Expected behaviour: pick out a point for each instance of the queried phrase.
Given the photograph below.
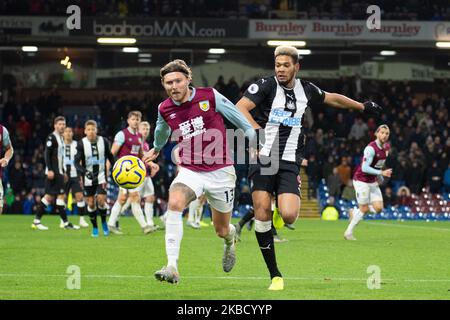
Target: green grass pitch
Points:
(413, 257)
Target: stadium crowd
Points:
(419, 123)
(305, 9)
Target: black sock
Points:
(246, 218)
(93, 218)
(266, 244)
(274, 230)
(102, 215)
(81, 210)
(61, 210)
(40, 210)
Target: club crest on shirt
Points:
(204, 105)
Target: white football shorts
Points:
(218, 185)
(367, 192)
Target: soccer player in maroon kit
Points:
(7, 149)
(128, 142)
(195, 117)
(365, 178)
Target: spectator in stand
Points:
(313, 172)
(17, 178)
(414, 178)
(434, 176)
(359, 130)
(345, 172)
(404, 196)
(389, 197)
(349, 193)
(447, 180)
(220, 85)
(334, 184)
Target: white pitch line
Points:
(406, 226)
(217, 277)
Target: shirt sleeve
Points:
(119, 139)
(313, 93)
(79, 159)
(258, 91)
(369, 154)
(49, 146)
(162, 133)
(226, 108)
(6, 140)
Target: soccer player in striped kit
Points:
(6, 148)
(278, 104)
(73, 184)
(128, 142)
(93, 160)
(195, 115)
(56, 177)
(368, 175)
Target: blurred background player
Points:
(73, 184)
(128, 142)
(93, 161)
(56, 177)
(195, 213)
(6, 152)
(365, 179)
(192, 112)
(146, 190)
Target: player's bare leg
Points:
(225, 230)
(180, 196)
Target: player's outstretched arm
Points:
(8, 155)
(337, 100)
(227, 109)
(162, 134)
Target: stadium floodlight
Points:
(304, 52)
(211, 61)
(130, 49)
(216, 51)
(116, 40)
(443, 44)
(276, 43)
(388, 53)
(144, 60)
(29, 49)
(145, 55)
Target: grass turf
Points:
(413, 257)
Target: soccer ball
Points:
(129, 172)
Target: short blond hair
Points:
(144, 124)
(286, 51)
(90, 123)
(134, 113)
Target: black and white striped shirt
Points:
(279, 110)
(54, 154)
(70, 151)
(93, 156)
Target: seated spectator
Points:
(404, 196)
(349, 193)
(434, 176)
(334, 183)
(345, 172)
(389, 197)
